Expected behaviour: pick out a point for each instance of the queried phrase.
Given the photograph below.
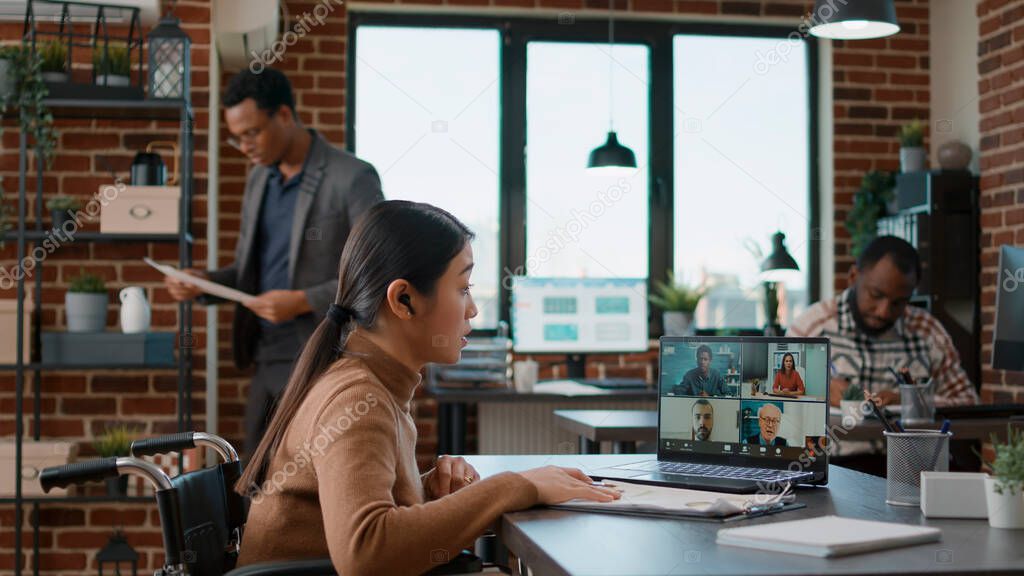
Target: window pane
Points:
(741, 170)
(427, 118)
(578, 223)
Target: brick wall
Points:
(1001, 102)
(878, 86)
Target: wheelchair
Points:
(202, 518)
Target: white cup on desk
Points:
(524, 373)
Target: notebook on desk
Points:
(827, 536)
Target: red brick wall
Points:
(1001, 93)
(878, 86)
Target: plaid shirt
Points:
(917, 341)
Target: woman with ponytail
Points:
(335, 474)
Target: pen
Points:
(899, 426)
(945, 427)
(880, 416)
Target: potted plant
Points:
(850, 403)
(677, 302)
(1004, 489)
(61, 208)
(115, 441)
(912, 154)
(86, 303)
(112, 65)
(54, 61)
(869, 204)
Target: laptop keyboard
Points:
(713, 471)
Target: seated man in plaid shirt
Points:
(873, 328)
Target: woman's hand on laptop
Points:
(556, 484)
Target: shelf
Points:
(57, 367)
(77, 499)
(31, 235)
(81, 108)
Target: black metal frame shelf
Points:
(101, 237)
(179, 111)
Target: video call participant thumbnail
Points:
(769, 417)
(703, 380)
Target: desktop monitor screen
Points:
(579, 315)
(1008, 340)
(729, 399)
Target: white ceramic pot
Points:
(913, 159)
(113, 80)
(1005, 510)
(677, 323)
(135, 311)
(852, 409)
(55, 77)
(86, 312)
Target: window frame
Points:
(516, 33)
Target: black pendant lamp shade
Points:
(854, 19)
(780, 258)
(611, 154)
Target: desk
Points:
(510, 421)
(623, 428)
(561, 542)
(643, 426)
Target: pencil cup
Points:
(917, 403)
(907, 455)
(524, 374)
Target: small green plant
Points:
(63, 203)
(115, 441)
(9, 52)
(53, 57)
(87, 283)
(912, 135)
(853, 392)
(115, 61)
(1008, 465)
(675, 297)
(869, 204)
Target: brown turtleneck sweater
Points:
(344, 482)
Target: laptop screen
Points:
(764, 398)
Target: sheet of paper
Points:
(204, 284)
(661, 499)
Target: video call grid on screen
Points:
(579, 315)
(733, 397)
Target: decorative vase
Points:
(851, 408)
(86, 312)
(954, 155)
(117, 487)
(6, 84)
(113, 80)
(677, 323)
(135, 312)
(1005, 510)
(913, 159)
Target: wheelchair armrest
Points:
(316, 567)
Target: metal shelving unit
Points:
(161, 110)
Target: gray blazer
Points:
(337, 188)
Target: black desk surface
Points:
(562, 542)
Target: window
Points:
(741, 170)
(427, 117)
(575, 219)
(494, 119)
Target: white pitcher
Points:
(135, 312)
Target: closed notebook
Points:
(827, 536)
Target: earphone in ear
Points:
(404, 299)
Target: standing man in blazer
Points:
(301, 200)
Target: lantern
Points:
(169, 69)
(116, 552)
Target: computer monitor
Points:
(1008, 340)
(576, 316)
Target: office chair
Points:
(202, 518)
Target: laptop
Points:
(721, 426)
